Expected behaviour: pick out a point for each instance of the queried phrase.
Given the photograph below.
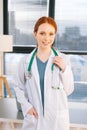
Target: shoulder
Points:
(26, 57)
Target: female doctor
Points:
(44, 81)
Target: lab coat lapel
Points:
(48, 73)
(36, 76)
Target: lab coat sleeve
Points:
(20, 89)
(67, 77)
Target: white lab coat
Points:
(55, 115)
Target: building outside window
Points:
(71, 17)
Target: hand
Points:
(59, 61)
(33, 112)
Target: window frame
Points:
(28, 49)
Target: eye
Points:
(51, 34)
(42, 33)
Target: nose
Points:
(46, 37)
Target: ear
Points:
(35, 34)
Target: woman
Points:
(44, 81)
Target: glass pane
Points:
(22, 17)
(11, 64)
(11, 61)
(79, 67)
(71, 17)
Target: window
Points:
(79, 67)
(71, 17)
(11, 64)
(22, 17)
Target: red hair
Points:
(45, 19)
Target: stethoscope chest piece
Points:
(29, 75)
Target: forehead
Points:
(46, 27)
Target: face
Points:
(45, 35)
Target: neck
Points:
(43, 54)
(45, 51)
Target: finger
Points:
(35, 114)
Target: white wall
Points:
(1, 16)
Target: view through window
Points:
(71, 17)
(22, 17)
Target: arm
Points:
(67, 80)
(20, 88)
(66, 74)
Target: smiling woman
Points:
(45, 74)
(71, 38)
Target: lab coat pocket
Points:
(30, 122)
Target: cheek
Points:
(53, 39)
(37, 38)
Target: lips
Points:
(45, 43)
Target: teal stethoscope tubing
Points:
(32, 58)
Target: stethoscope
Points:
(52, 67)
